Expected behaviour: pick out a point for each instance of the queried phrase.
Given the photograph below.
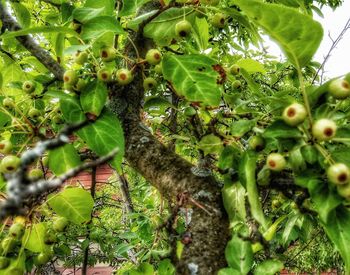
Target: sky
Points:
(333, 23)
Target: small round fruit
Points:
(276, 162)
(339, 88)
(190, 111)
(9, 164)
(124, 76)
(219, 20)
(235, 69)
(256, 143)
(183, 28)
(8, 103)
(5, 146)
(149, 83)
(28, 86)
(324, 129)
(158, 68)
(8, 245)
(70, 77)
(104, 75)
(210, 2)
(81, 57)
(42, 258)
(20, 219)
(17, 230)
(154, 56)
(80, 85)
(338, 174)
(60, 224)
(34, 113)
(35, 174)
(344, 190)
(237, 84)
(4, 262)
(294, 114)
(108, 54)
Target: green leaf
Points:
(279, 129)
(233, 196)
(93, 97)
(298, 34)
(22, 14)
(239, 255)
(193, 77)
(210, 144)
(41, 29)
(201, 29)
(63, 159)
(70, 107)
(269, 267)
(251, 66)
(75, 204)
(131, 6)
(33, 238)
(99, 26)
(247, 177)
(156, 105)
(106, 130)
(165, 267)
(228, 271)
(108, 5)
(239, 128)
(83, 15)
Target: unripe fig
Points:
(235, 69)
(237, 84)
(80, 85)
(149, 83)
(344, 191)
(104, 75)
(70, 77)
(183, 28)
(154, 56)
(17, 230)
(60, 224)
(35, 174)
(190, 111)
(294, 114)
(9, 164)
(339, 88)
(42, 258)
(276, 162)
(158, 68)
(108, 54)
(219, 20)
(8, 103)
(34, 113)
(124, 76)
(4, 262)
(256, 143)
(28, 86)
(5, 146)
(324, 129)
(338, 174)
(81, 57)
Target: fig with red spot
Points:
(124, 76)
(324, 129)
(108, 54)
(183, 28)
(70, 77)
(338, 174)
(339, 88)
(154, 57)
(28, 86)
(5, 146)
(9, 164)
(276, 162)
(104, 75)
(294, 114)
(219, 20)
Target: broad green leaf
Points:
(93, 97)
(239, 255)
(229, 157)
(298, 34)
(131, 6)
(211, 144)
(75, 204)
(269, 267)
(201, 29)
(193, 77)
(22, 14)
(251, 66)
(233, 196)
(70, 107)
(287, 235)
(95, 28)
(229, 271)
(33, 238)
(107, 5)
(83, 15)
(279, 129)
(106, 130)
(165, 267)
(342, 154)
(247, 177)
(12, 73)
(41, 29)
(63, 159)
(240, 127)
(156, 105)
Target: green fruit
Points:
(42, 258)
(4, 262)
(45, 160)
(108, 54)
(104, 75)
(70, 77)
(81, 57)
(219, 20)
(275, 203)
(324, 129)
(210, 2)
(294, 114)
(14, 271)
(237, 84)
(344, 190)
(339, 88)
(190, 111)
(256, 143)
(34, 113)
(5, 146)
(50, 237)
(9, 164)
(149, 83)
(35, 174)
(28, 86)
(8, 245)
(154, 57)
(124, 76)
(17, 230)
(183, 28)
(276, 162)
(235, 69)
(68, 87)
(60, 224)
(8, 103)
(80, 85)
(158, 68)
(338, 174)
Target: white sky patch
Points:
(333, 23)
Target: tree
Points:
(221, 131)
